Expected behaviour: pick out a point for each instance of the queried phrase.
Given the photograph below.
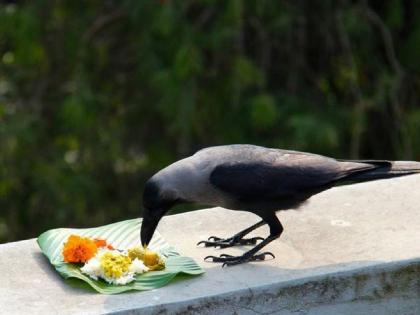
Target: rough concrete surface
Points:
(350, 250)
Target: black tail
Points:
(381, 170)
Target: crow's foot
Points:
(229, 260)
(214, 241)
(237, 239)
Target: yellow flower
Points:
(115, 265)
(151, 259)
(136, 252)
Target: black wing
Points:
(299, 174)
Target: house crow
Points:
(255, 179)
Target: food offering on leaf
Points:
(151, 259)
(99, 260)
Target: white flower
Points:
(127, 278)
(95, 269)
(92, 268)
(137, 266)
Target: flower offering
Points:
(99, 260)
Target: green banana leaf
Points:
(120, 235)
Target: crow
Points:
(255, 179)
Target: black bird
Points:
(255, 179)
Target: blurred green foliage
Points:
(95, 96)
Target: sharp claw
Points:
(271, 254)
(212, 243)
(228, 242)
(229, 260)
(212, 258)
(262, 256)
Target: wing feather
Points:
(289, 174)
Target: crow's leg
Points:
(275, 231)
(237, 239)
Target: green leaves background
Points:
(96, 96)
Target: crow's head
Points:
(157, 200)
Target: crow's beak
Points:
(149, 224)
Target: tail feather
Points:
(383, 169)
(405, 167)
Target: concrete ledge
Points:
(350, 250)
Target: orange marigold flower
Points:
(99, 242)
(79, 249)
(102, 243)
